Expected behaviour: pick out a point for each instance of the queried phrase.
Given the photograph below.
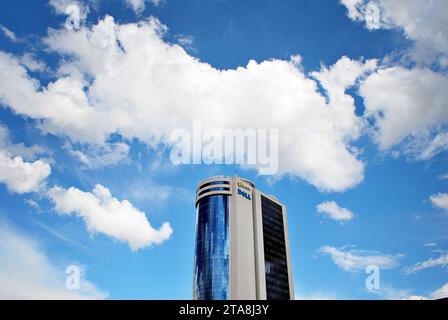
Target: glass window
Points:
(276, 268)
(211, 274)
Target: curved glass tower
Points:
(211, 274)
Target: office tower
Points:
(242, 246)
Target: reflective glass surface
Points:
(276, 268)
(211, 273)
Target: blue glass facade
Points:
(211, 273)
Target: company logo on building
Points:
(242, 185)
(244, 194)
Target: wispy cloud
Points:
(430, 263)
(26, 272)
(94, 157)
(430, 244)
(443, 176)
(9, 34)
(352, 260)
(186, 41)
(389, 292)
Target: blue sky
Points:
(357, 90)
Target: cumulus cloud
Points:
(334, 211)
(352, 260)
(440, 200)
(16, 173)
(424, 22)
(107, 215)
(430, 263)
(125, 79)
(408, 106)
(21, 176)
(26, 272)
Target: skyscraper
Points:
(242, 246)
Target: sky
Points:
(91, 92)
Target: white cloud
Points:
(31, 63)
(438, 144)
(138, 6)
(440, 200)
(18, 149)
(430, 244)
(186, 41)
(94, 157)
(334, 211)
(27, 273)
(424, 22)
(440, 293)
(443, 176)
(105, 214)
(342, 75)
(21, 176)
(352, 260)
(9, 34)
(145, 87)
(388, 292)
(409, 107)
(430, 263)
(147, 193)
